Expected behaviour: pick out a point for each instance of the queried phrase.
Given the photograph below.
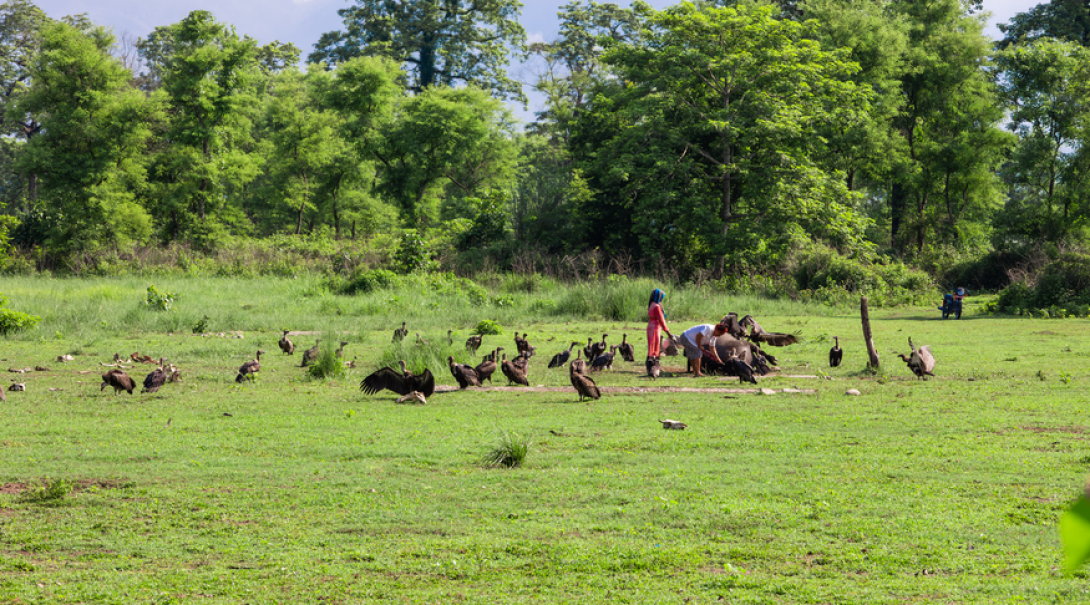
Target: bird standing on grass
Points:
(464, 374)
(249, 369)
(400, 333)
(311, 354)
(485, 369)
(584, 385)
(836, 353)
(562, 357)
(286, 345)
(119, 380)
(156, 379)
(513, 373)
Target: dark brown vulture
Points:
(400, 333)
(836, 354)
(758, 334)
(578, 364)
(584, 385)
(627, 351)
(513, 372)
(286, 345)
(604, 361)
(485, 369)
(119, 380)
(249, 369)
(156, 379)
(401, 383)
(465, 375)
(311, 354)
(562, 357)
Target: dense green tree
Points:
(459, 138)
(947, 98)
(709, 142)
(1045, 84)
(572, 64)
(90, 152)
(443, 42)
(207, 78)
(1061, 19)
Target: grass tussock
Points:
(509, 451)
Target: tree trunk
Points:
(898, 201)
(303, 204)
(864, 313)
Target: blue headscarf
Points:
(656, 297)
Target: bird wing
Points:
(425, 383)
(383, 379)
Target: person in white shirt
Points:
(699, 340)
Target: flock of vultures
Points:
(739, 350)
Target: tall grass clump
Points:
(509, 451)
(14, 321)
(328, 366)
(432, 356)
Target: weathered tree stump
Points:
(874, 362)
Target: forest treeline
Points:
(706, 139)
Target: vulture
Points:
(524, 345)
(522, 362)
(286, 345)
(597, 348)
(669, 347)
(450, 337)
(249, 368)
(156, 379)
(465, 375)
(494, 355)
(402, 383)
(587, 349)
(513, 372)
(604, 361)
(734, 327)
(760, 365)
(584, 385)
(420, 342)
(311, 354)
(119, 380)
(656, 369)
(758, 334)
(921, 361)
(340, 351)
(836, 353)
(741, 369)
(628, 352)
(400, 333)
(486, 368)
(578, 364)
(473, 343)
(562, 357)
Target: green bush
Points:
(14, 321)
(1059, 289)
(160, 301)
(488, 327)
(413, 254)
(368, 281)
(328, 366)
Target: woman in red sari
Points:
(656, 324)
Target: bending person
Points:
(699, 340)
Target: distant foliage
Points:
(413, 254)
(160, 301)
(14, 321)
(823, 275)
(487, 326)
(1060, 289)
(367, 281)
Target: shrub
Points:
(14, 321)
(328, 366)
(1060, 285)
(509, 452)
(413, 254)
(487, 326)
(49, 490)
(368, 281)
(160, 301)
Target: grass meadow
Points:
(293, 490)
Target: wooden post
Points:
(865, 314)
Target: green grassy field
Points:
(291, 490)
